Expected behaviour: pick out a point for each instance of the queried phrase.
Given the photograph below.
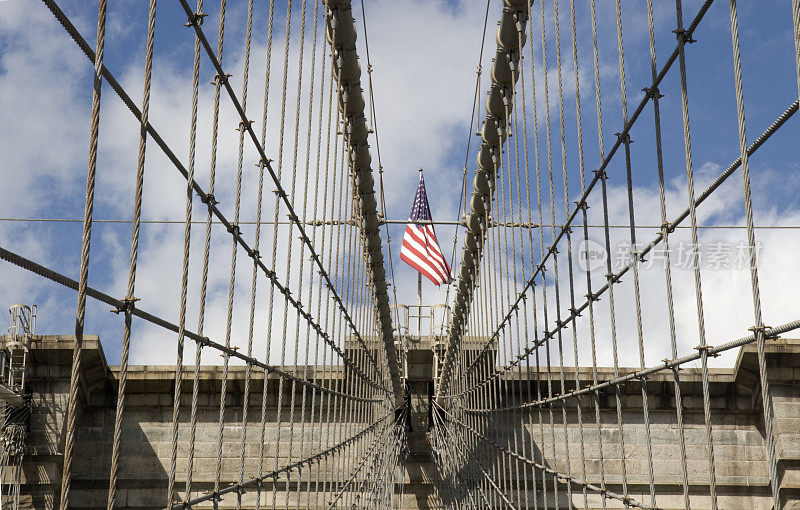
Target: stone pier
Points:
(742, 470)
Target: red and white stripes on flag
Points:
(420, 248)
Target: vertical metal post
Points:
(419, 294)
(419, 304)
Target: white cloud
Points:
(424, 56)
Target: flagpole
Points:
(419, 302)
(419, 292)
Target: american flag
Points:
(420, 248)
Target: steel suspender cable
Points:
(94, 130)
(510, 421)
(485, 384)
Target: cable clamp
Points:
(601, 174)
(220, 79)
(624, 138)
(233, 228)
(581, 204)
(127, 305)
(764, 330)
(209, 200)
(706, 348)
(574, 312)
(652, 92)
(244, 124)
(668, 227)
(196, 19)
(254, 254)
(613, 278)
(684, 36)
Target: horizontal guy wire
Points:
(316, 223)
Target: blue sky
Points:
(424, 56)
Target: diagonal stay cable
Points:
(599, 173)
(368, 455)
(308, 461)
(561, 477)
(770, 333)
(574, 313)
(121, 305)
(779, 121)
(208, 198)
(500, 492)
(194, 21)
